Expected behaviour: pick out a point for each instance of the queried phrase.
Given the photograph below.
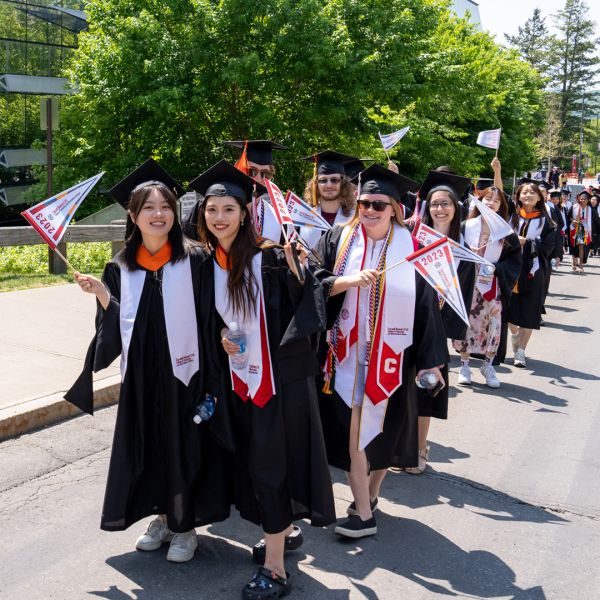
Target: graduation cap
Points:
(223, 179)
(149, 172)
(258, 151)
(483, 183)
(554, 193)
(584, 192)
(330, 162)
(543, 184)
(355, 166)
(444, 181)
(379, 180)
(565, 191)
(525, 180)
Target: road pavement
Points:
(508, 507)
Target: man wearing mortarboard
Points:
(329, 191)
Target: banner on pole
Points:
(489, 138)
(304, 215)
(391, 139)
(499, 228)
(51, 217)
(278, 203)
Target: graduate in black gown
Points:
(280, 472)
(162, 463)
(537, 236)
(443, 212)
(383, 331)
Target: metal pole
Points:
(581, 134)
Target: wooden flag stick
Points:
(392, 266)
(65, 260)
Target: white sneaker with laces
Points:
(183, 546)
(464, 376)
(489, 373)
(156, 534)
(519, 360)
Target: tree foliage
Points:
(172, 79)
(533, 42)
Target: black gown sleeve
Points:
(508, 267)
(105, 346)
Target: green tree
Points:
(532, 42)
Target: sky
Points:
(504, 16)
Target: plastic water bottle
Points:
(205, 410)
(487, 270)
(239, 360)
(553, 263)
(427, 381)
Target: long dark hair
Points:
(540, 205)
(242, 286)
(133, 235)
(454, 230)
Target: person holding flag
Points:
(280, 467)
(384, 329)
(536, 232)
(495, 241)
(441, 192)
(328, 191)
(149, 312)
(580, 232)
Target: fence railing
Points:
(27, 236)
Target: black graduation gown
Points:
(455, 329)
(161, 462)
(557, 251)
(281, 472)
(189, 224)
(397, 444)
(526, 303)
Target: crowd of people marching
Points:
(251, 363)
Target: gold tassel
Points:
(314, 184)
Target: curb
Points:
(32, 415)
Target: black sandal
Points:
(292, 542)
(266, 584)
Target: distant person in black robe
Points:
(368, 401)
(536, 231)
(280, 471)
(149, 309)
(442, 192)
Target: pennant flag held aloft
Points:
(499, 228)
(51, 217)
(391, 139)
(304, 215)
(426, 235)
(435, 263)
(489, 138)
(278, 203)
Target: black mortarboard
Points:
(379, 180)
(584, 192)
(483, 183)
(525, 180)
(223, 179)
(148, 172)
(543, 184)
(439, 179)
(554, 193)
(355, 166)
(330, 162)
(595, 191)
(565, 191)
(259, 151)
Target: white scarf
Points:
(536, 226)
(586, 221)
(256, 380)
(492, 251)
(392, 327)
(180, 316)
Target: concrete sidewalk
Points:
(44, 335)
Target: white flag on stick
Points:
(51, 217)
(304, 215)
(499, 228)
(391, 139)
(489, 138)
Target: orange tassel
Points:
(242, 162)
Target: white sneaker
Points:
(514, 339)
(489, 373)
(464, 376)
(519, 360)
(157, 533)
(183, 546)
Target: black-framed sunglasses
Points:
(325, 180)
(376, 205)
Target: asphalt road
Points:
(509, 507)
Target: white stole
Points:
(492, 251)
(180, 316)
(534, 230)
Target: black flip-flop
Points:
(292, 542)
(266, 584)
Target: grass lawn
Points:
(10, 282)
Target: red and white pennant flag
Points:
(51, 217)
(303, 214)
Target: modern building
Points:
(462, 7)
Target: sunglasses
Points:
(324, 180)
(376, 205)
(266, 174)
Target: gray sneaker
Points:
(519, 360)
(156, 535)
(490, 376)
(464, 376)
(183, 546)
